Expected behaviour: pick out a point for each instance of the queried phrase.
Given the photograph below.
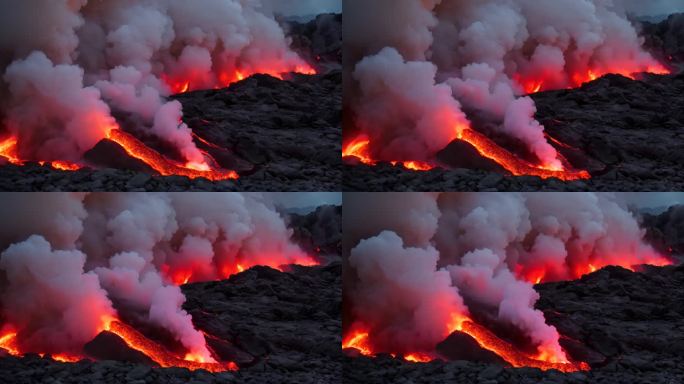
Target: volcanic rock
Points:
(627, 325)
(319, 231)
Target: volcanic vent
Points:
(451, 99)
(455, 277)
(93, 100)
(100, 279)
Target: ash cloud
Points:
(72, 260)
(459, 254)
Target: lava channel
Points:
(360, 149)
(137, 149)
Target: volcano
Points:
(439, 280)
(269, 337)
(267, 121)
(475, 97)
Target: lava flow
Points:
(534, 84)
(185, 83)
(137, 149)
(134, 340)
(360, 149)
(159, 354)
(359, 340)
(8, 151)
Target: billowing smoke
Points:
(73, 261)
(68, 65)
(416, 75)
(420, 262)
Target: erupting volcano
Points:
(104, 72)
(468, 264)
(463, 71)
(84, 266)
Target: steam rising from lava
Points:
(68, 66)
(80, 262)
(426, 265)
(421, 77)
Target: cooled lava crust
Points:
(279, 327)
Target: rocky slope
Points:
(629, 134)
(627, 325)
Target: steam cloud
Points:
(417, 74)
(67, 65)
(72, 260)
(415, 259)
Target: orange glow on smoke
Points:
(137, 149)
(136, 340)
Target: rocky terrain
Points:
(629, 134)
(279, 327)
(319, 232)
(279, 135)
(626, 325)
(666, 38)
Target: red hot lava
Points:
(134, 340)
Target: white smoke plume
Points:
(416, 75)
(73, 258)
(67, 64)
(416, 253)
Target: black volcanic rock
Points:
(108, 346)
(628, 325)
(319, 232)
(282, 328)
(108, 154)
(319, 40)
(461, 346)
(629, 134)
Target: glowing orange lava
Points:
(8, 149)
(137, 149)
(224, 79)
(577, 79)
(359, 341)
(160, 355)
(539, 274)
(512, 355)
(360, 149)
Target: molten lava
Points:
(180, 275)
(134, 340)
(360, 148)
(188, 82)
(538, 273)
(536, 83)
(137, 149)
(359, 339)
(159, 354)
